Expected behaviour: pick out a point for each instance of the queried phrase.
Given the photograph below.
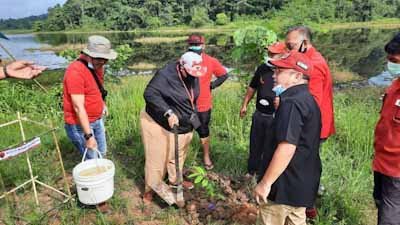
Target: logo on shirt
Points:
(264, 102)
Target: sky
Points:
(24, 8)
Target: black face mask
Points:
(301, 50)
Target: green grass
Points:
(346, 157)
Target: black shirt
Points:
(298, 122)
(263, 83)
(167, 91)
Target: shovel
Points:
(164, 190)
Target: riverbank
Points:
(276, 24)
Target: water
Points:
(358, 51)
(20, 46)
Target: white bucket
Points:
(94, 180)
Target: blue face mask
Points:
(196, 48)
(278, 89)
(393, 68)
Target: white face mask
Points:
(266, 61)
(90, 65)
(394, 69)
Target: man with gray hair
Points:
(320, 85)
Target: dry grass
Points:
(157, 40)
(378, 24)
(59, 48)
(143, 66)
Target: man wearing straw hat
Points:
(84, 97)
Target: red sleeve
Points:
(316, 85)
(75, 84)
(219, 69)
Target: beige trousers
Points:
(278, 214)
(159, 147)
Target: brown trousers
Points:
(159, 147)
(278, 214)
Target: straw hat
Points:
(99, 47)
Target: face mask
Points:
(266, 60)
(278, 89)
(90, 65)
(196, 49)
(393, 68)
(301, 50)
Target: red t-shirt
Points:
(387, 134)
(320, 86)
(214, 67)
(79, 80)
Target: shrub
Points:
(222, 19)
(200, 17)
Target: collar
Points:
(310, 51)
(294, 90)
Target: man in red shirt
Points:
(320, 85)
(84, 97)
(386, 163)
(204, 102)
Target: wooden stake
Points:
(60, 158)
(27, 159)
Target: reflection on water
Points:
(355, 50)
(20, 45)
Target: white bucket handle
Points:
(86, 149)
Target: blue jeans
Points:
(75, 134)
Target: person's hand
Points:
(91, 143)
(276, 102)
(24, 69)
(261, 191)
(173, 120)
(105, 111)
(243, 111)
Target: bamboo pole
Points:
(18, 187)
(60, 158)
(27, 158)
(9, 123)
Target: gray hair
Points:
(303, 30)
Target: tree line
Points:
(132, 14)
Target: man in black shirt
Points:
(261, 133)
(293, 171)
(170, 101)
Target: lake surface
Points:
(358, 51)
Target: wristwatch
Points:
(6, 75)
(88, 136)
(168, 113)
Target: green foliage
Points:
(222, 19)
(124, 53)
(200, 17)
(200, 178)
(250, 43)
(69, 54)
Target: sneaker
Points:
(311, 213)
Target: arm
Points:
(154, 98)
(249, 95)
(281, 159)
(316, 85)
(78, 102)
(220, 80)
(21, 69)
